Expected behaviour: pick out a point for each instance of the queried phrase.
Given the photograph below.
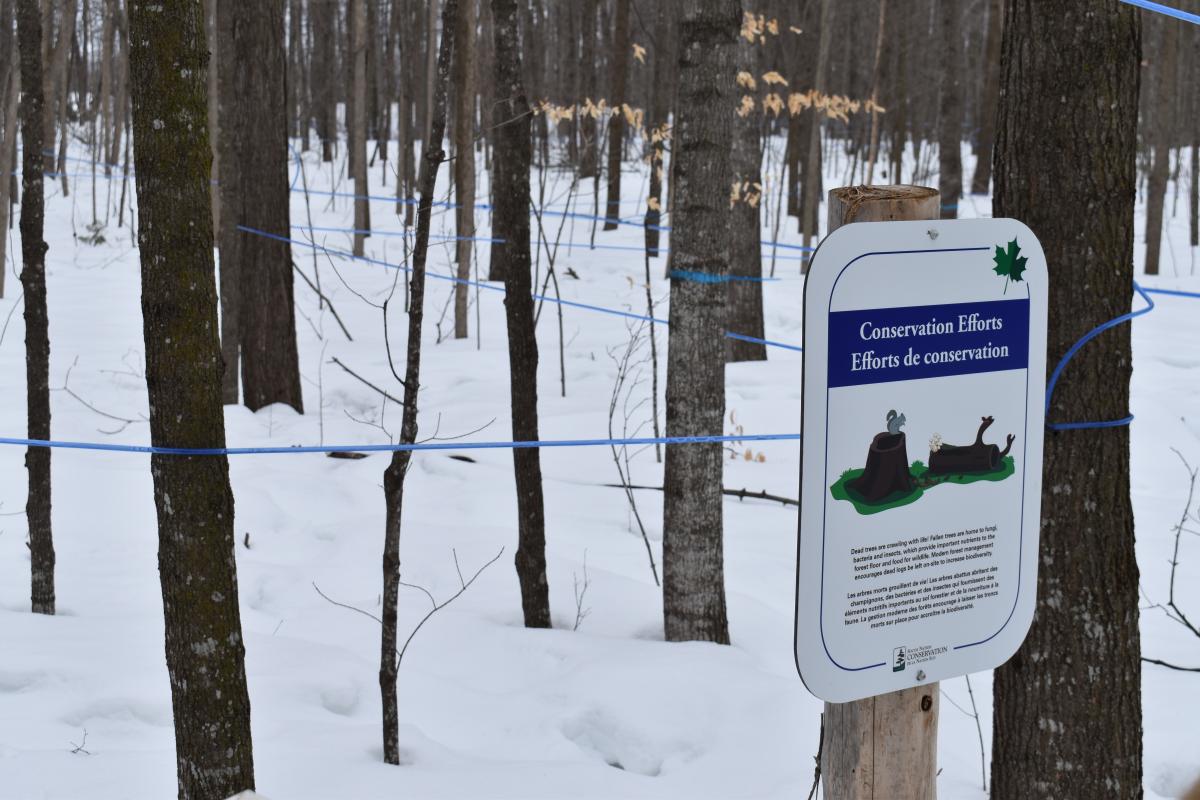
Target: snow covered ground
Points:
(488, 708)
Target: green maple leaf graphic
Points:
(1010, 263)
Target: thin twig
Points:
(353, 374)
(1168, 665)
(741, 494)
(325, 299)
(439, 606)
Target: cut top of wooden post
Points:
(882, 204)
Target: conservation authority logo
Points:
(898, 659)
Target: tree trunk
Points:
(464, 163)
(588, 131)
(358, 142)
(204, 647)
(213, 106)
(812, 167)
(744, 301)
(295, 46)
(950, 112)
(982, 178)
(254, 191)
(885, 746)
(33, 282)
(10, 90)
(431, 41)
(876, 78)
(1160, 130)
(510, 222)
(665, 63)
(324, 66)
(616, 123)
(229, 238)
(393, 476)
(1079, 666)
(693, 557)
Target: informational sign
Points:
(921, 464)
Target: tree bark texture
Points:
(393, 476)
(37, 324)
(511, 223)
(1068, 715)
(882, 747)
(255, 165)
(744, 300)
(619, 67)
(464, 162)
(693, 546)
(1160, 132)
(204, 648)
(950, 112)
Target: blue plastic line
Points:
(569, 244)
(389, 448)
(1167, 10)
(743, 338)
(1087, 337)
(1174, 292)
(482, 285)
(705, 277)
(402, 234)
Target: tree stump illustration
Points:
(887, 468)
(977, 457)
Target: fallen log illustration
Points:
(977, 457)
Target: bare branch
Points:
(353, 374)
(345, 605)
(439, 606)
(324, 299)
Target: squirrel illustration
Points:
(895, 421)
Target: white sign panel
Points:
(921, 464)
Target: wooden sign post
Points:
(917, 556)
(884, 746)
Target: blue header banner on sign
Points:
(913, 342)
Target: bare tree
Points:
(324, 103)
(693, 557)
(10, 90)
(393, 476)
(588, 130)
(1052, 159)
(37, 324)
(951, 108)
(809, 215)
(256, 271)
(358, 132)
(510, 222)
(982, 178)
(204, 647)
(1160, 132)
(464, 161)
(744, 309)
(619, 67)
